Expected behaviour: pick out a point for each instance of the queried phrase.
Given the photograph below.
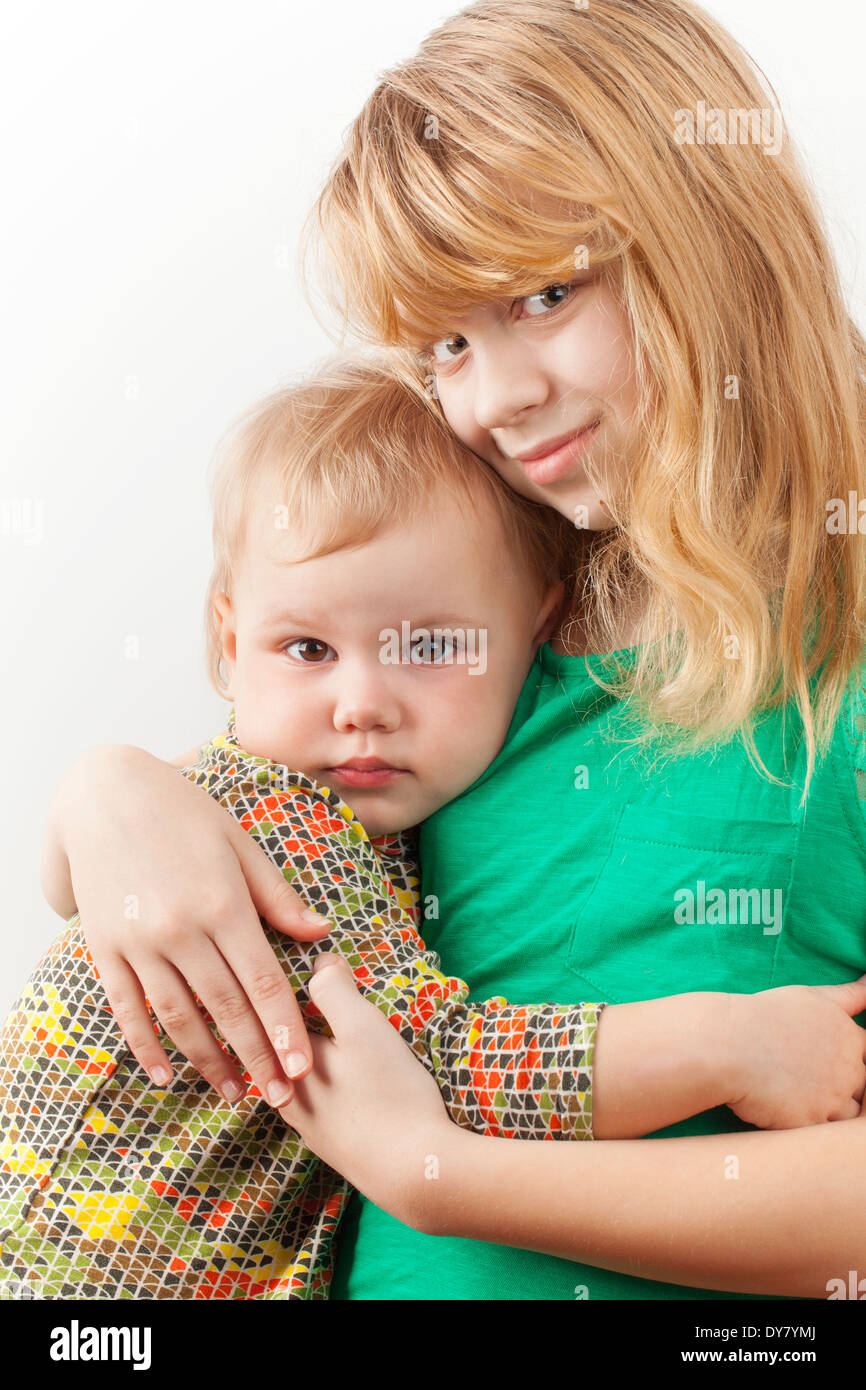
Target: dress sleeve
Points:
(514, 1071)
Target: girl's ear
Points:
(549, 615)
(228, 634)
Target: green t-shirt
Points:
(575, 869)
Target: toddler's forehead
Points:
(277, 544)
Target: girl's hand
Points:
(169, 888)
(800, 1055)
(369, 1108)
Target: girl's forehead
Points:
(424, 319)
(423, 323)
(436, 288)
(420, 330)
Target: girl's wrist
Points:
(74, 809)
(442, 1203)
(89, 784)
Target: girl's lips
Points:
(552, 467)
(366, 777)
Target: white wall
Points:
(158, 161)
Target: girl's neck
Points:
(573, 639)
(581, 648)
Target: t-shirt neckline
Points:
(557, 663)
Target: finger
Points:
(326, 960)
(850, 1110)
(274, 897)
(126, 999)
(850, 996)
(179, 1013)
(221, 993)
(334, 992)
(313, 1089)
(264, 1006)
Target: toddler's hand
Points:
(800, 1055)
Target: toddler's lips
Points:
(374, 774)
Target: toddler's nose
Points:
(365, 702)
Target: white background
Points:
(158, 160)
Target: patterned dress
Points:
(111, 1187)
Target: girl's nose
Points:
(508, 380)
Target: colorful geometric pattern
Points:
(113, 1188)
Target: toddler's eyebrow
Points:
(280, 617)
(310, 623)
(443, 620)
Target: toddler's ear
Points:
(225, 621)
(549, 615)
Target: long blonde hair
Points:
(342, 454)
(523, 130)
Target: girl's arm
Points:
(745, 1212)
(56, 878)
(755, 1212)
(169, 889)
(129, 821)
(136, 831)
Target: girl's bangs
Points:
(432, 237)
(430, 279)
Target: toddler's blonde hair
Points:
(345, 453)
(525, 130)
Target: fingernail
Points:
(231, 1091)
(160, 1076)
(279, 1093)
(296, 1062)
(308, 915)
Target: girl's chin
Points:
(585, 510)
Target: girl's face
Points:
(537, 385)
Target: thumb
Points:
(850, 996)
(334, 992)
(274, 898)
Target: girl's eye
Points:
(541, 300)
(311, 651)
(447, 348)
(551, 297)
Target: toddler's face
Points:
(336, 668)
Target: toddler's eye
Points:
(310, 650)
(540, 300)
(435, 648)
